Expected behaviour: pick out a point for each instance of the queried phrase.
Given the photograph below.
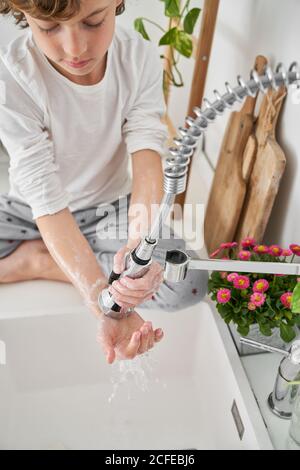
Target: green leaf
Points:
(140, 28)
(265, 329)
(172, 8)
(244, 293)
(243, 330)
(227, 318)
(296, 299)
(297, 319)
(190, 20)
(268, 302)
(210, 285)
(242, 321)
(215, 276)
(237, 309)
(169, 39)
(223, 309)
(183, 44)
(288, 314)
(270, 314)
(287, 333)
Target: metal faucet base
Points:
(281, 414)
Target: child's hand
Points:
(129, 292)
(126, 338)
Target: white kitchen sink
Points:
(55, 388)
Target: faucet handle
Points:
(293, 354)
(265, 347)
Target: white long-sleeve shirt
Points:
(69, 144)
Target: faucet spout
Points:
(282, 398)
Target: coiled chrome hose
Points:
(175, 173)
(178, 163)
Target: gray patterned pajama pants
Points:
(17, 225)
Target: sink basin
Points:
(191, 392)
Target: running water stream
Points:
(134, 374)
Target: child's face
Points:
(77, 47)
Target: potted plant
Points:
(271, 301)
(178, 36)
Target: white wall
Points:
(269, 27)
(8, 31)
(244, 29)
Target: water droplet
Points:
(130, 376)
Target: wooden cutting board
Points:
(267, 171)
(229, 186)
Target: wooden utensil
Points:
(229, 186)
(267, 171)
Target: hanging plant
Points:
(178, 37)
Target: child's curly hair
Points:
(44, 9)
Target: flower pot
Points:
(254, 333)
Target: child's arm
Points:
(147, 189)
(122, 339)
(73, 254)
(147, 193)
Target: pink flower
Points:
(261, 249)
(251, 306)
(233, 245)
(225, 257)
(241, 282)
(231, 277)
(258, 299)
(295, 249)
(224, 246)
(261, 285)
(223, 275)
(275, 250)
(223, 296)
(248, 242)
(286, 253)
(279, 275)
(298, 279)
(286, 299)
(215, 253)
(245, 255)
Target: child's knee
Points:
(174, 296)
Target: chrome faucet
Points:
(175, 178)
(282, 398)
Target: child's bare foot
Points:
(23, 263)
